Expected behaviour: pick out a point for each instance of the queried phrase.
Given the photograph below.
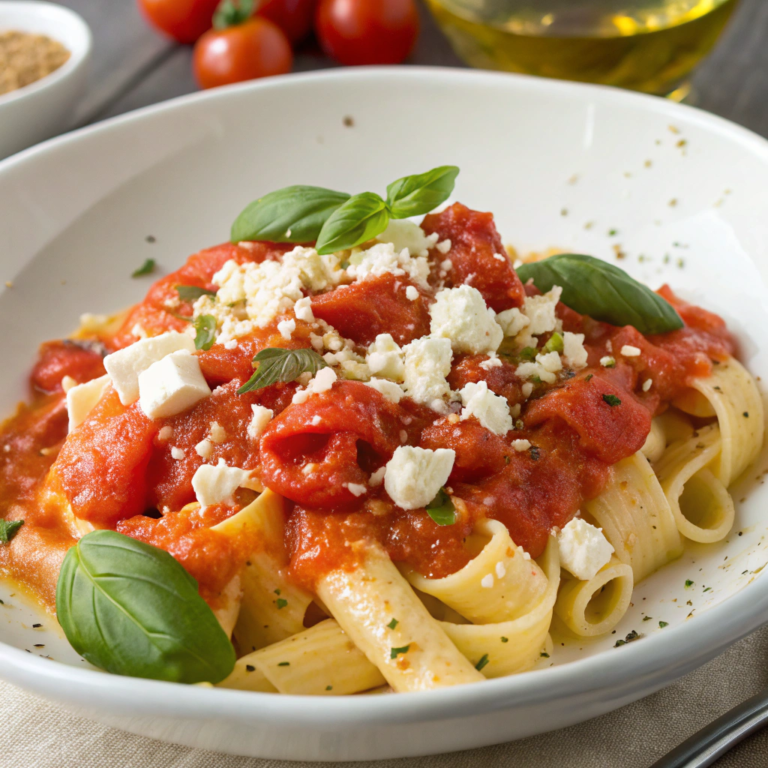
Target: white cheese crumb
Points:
(444, 246)
(521, 445)
(501, 571)
(629, 351)
(382, 259)
(125, 365)
(405, 234)
(607, 361)
(165, 434)
(389, 389)
(487, 581)
(286, 328)
(411, 293)
(377, 478)
(492, 362)
(261, 417)
(574, 353)
(218, 433)
(204, 449)
(499, 257)
(81, 399)
(231, 344)
(446, 265)
(385, 358)
(512, 321)
(171, 385)
(461, 315)
(584, 550)
(427, 363)
(491, 410)
(527, 389)
(355, 489)
(217, 485)
(414, 476)
(647, 384)
(316, 420)
(540, 311)
(303, 310)
(322, 382)
(178, 453)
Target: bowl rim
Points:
(78, 55)
(658, 660)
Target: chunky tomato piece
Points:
(375, 305)
(81, 360)
(312, 452)
(477, 255)
(501, 379)
(102, 465)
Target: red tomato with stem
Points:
(294, 17)
(367, 31)
(240, 47)
(183, 20)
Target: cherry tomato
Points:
(367, 31)
(183, 20)
(254, 48)
(294, 17)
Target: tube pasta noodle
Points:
(508, 647)
(320, 661)
(594, 607)
(272, 607)
(380, 612)
(636, 518)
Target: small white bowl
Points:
(44, 108)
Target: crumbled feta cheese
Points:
(165, 434)
(414, 476)
(487, 581)
(385, 358)
(521, 445)
(607, 362)
(574, 353)
(492, 362)
(125, 365)
(546, 365)
(217, 484)
(501, 571)
(178, 453)
(303, 310)
(377, 478)
(512, 321)
(647, 384)
(382, 259)
(405, 234)
(286, 328)
(82, 398)
(171, 385)
(139, 332)
(411, 293)
(444, 246)
(389, 389)
(204, 449)
(427, 363)
(540, 311)
(261, 417)
(629, 351)
(461, 315)
(322, 382)
(231, 344)
(499, 257)
(491, 410)
(584, 550)
(446, 265)
(356, 489)
(527, 389)
(218, 433)
(316, 421)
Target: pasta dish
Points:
(346, 452)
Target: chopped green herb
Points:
(688, 583)
(707, 589)
(483, 662)
(588, 376)
(647, 618)
(504, 639)
(612, 400)
(613, 232)
(192, 292)
(277, 591)
(441, 509)
(205, 331)
(8, 529)
(544, 655)
(633, 635)
(535, 453)
(555, 343)
(147, 268)
(395, 652)
(250, 668)
(328, 687)
(284, 664)
(528, 353)
(663, 624)
(392, 624)
(278, 364)
(281, 603)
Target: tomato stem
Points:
(230, 13)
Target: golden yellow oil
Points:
(644, 45)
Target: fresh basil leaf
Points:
(441, 509)
(361, 218)
(291, 215)
(8, 529)
(417, 195)
(131, 609)
(205, 331)
(277, 364)
(192, 292)
(147, 268)
(602, 291)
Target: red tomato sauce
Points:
(117, 468)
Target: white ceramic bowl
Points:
(548, 158)
(44, 108)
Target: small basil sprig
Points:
(205, 332)
(147, 268)
(604, 292)
(277, 364)
(131, 609)
(192, 292)
(441, 509)
(335, 220)
(8, 529)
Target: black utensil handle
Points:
(715, 739)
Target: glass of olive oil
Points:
(645, 45)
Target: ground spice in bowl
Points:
(26, 58)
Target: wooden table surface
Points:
(133, 66)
